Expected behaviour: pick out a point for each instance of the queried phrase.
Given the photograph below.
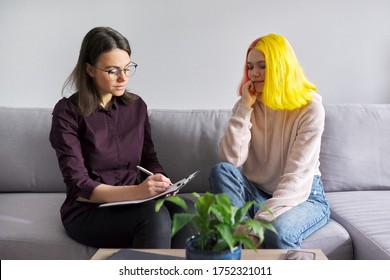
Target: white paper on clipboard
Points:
(173, 188)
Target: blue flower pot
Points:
(192, 253)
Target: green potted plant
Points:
(222, 228)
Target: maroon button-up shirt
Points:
(104, 147)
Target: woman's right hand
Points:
(154, 185)
(249, 94)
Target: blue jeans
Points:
(292, 226)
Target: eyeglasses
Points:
(115, 73)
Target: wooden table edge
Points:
(247, 254)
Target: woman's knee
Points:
(280, 240)
(220, 173)
(221, 168)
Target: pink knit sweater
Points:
(276, 149)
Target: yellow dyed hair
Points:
(286, 86)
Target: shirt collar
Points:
(113, 105)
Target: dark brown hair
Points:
(97, 41)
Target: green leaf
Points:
(256, 227)
(221, 245)
(223, 209)
(233, 211)
(268, 226)
(265, 208)
(178, 201)
(195, 194)
(218, 214)
(223, 203)
(159, 204)
(241, 213)
(203, 204)
(227, 235)
(203, 225)
(180, 220)
(247, 242)
(174, 199)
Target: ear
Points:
(90, 70)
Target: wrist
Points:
(247, 103)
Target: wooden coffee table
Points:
(247, 254)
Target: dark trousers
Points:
(129, 226)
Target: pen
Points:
(144, 170)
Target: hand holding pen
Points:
(155, 182)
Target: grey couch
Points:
(355, 163)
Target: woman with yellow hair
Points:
(270, 150)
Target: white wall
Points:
(191, 53)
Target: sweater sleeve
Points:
(234, 145)
(302, 162)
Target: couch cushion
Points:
(365, 215)
(334, 241)
(355, 147)
(31, 228)
(186, 140)
(27, 160)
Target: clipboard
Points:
(173, 188)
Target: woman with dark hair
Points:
(100, 134)
(271, 147)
